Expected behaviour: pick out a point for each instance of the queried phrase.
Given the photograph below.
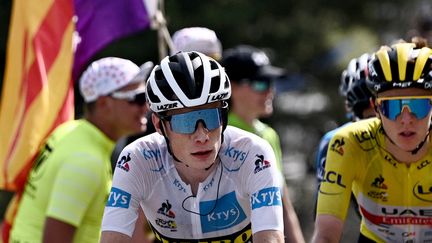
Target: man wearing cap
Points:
(252, 77)
(67, 188)
(199, 39)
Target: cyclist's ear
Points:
(373, 104)
(157, 123)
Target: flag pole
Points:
(164, 37)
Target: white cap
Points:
(105, 76)
(199, 39)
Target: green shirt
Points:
(70, 181)
(261, 129)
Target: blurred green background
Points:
(313, 39)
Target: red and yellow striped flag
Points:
(37, 92)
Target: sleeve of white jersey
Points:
(263, 183)
(121, 209)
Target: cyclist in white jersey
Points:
(196, 179)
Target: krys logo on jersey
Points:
(270, 196)
(236, 154)
(226, 214)
(118, 198)
(151, 154)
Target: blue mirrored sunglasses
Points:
(186, 123)
(392, 107)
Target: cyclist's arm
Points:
(328, 228)
(142, 232)
(114, 237)
(292, 229)
(268, 236)
(57, 231)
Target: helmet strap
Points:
(419, 146)
(162, 128)
(414, 151)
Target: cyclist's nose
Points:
(201, 133)
(406, 116)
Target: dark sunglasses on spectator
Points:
(259, 86)
(392, 107)
(134, 97)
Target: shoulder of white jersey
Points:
(240, 146)
(150, 147)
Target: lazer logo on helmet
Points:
(167, 106)
(118, 198)
(219, 96)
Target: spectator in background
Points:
(252, 77)
(199, 39)
(67, 188)
(148, 128)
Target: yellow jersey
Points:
(395, 200)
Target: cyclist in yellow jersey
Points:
(385, 161)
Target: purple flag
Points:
(103, 21)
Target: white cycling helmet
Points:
(186, 79)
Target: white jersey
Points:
(242, 196)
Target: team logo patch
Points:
(167, 224)
(123, 162)
(423, 190)
(261, 163)
(266, 197)
(118, 198)
(337, 146)
(379, 183)
(165, 209)
(224, 213)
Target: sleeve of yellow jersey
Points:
(76, 183)
(340, 168)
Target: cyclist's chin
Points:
(202, 162)
(408, 144)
